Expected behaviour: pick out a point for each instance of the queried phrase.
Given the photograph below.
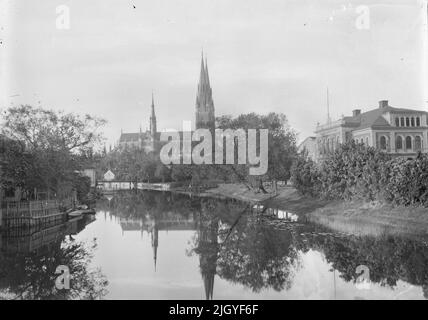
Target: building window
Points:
(397, 122)
(413, 121)
(383, 142)
(407, 122)
(402, 121)
(418, 143)
(399, 143)
(408, 142)
(418, 121)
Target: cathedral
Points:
(204, 117)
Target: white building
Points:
(397, 131)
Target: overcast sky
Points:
(263, 56)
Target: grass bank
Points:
(361, 218)
(357, 217)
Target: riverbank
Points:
(361, 218)
(357, 218)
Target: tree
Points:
(46, 147)
(42, 129)
(282, 148)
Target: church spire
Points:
(153, 127)
(205, 115)
(202, 76)
(207, 81)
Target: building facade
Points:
(397, 131)
(149, 140)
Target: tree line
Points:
(45, 150)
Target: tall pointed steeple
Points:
(205, 113)
(155, 243)
(206, 73)
(202, 75)
(153, 128)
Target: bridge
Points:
(111, 186)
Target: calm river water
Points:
(163, 246)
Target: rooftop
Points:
(374, 118)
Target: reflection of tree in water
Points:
(259, 256)
(389, 259)
(242, 250)
(32, 275)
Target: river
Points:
(158, 245)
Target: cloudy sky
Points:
(263, 56)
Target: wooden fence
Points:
(33, 213)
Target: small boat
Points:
(74, 214)
(88, 211)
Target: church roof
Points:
(127, 137)
(374, 118)
(135, 136)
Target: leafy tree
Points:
(47, 146)
(281, 146)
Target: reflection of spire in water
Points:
(209, 285)
(208, 251)
(155, 242)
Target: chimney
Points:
(356, 112)
(383, 103)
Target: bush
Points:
(406, 181)
(355, 171)
(305, 176)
